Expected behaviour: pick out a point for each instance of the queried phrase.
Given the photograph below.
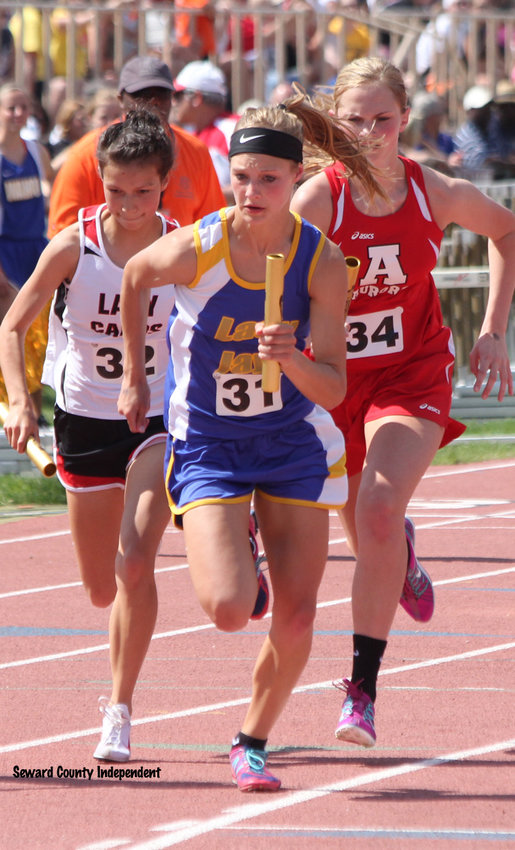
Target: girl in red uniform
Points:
(399, 354)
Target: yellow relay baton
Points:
(274, 287)
(353, 265)
(34, 450)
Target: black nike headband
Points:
(267, 141)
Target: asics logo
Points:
(358, 235)
(244, 138)
(429, 407)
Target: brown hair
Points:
(141, 137)
(67, 112)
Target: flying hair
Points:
(325, 140)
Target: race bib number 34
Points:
(375, 333)
(243, 395)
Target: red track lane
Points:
(441, 776)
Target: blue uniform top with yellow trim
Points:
(214, 378)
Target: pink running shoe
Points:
(263, 594)
(356, 723)
(417, 596)
(249, 772)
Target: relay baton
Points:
(353, 265)
(274, 285)
(35, 452)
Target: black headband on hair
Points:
(267, 141)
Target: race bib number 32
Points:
(243, 395)
(375, 333)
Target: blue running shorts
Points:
(304, 465)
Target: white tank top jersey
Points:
(84, 358)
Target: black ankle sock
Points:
(367, 657)
(248, 741)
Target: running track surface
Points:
(441, 776)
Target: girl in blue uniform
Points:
(229, 440)
(25, 179)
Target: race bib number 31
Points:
(375, 333)
(243, 395)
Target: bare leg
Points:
(95, 519)
(221, 565)
(133, 616)
(399, 450)
(296, 542)
(348, 514)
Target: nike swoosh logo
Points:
(244, 138)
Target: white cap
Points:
(476, 98)
(201, 76)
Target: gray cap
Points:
(144, 72)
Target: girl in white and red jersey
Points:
(113, 478)
(399, 355)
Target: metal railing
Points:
(142, 27)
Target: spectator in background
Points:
(477, 140)
(448, 31)
(6, 48)
(200, 107)
(38, 123)
(61, 19)
(25, 179)
(103, 107)
(32, 48)
(423, 139)
(357, 34)
(280, 93)
(193, 188)
(505, 112)
(287, 27)
(71, 124)
(194, 33)
(235, 30)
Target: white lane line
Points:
(242, 814)
(430, 474)
(101, 647)
(459, 470)
(204, 709)
(32, 537)
(48, 534)
(433, 524)
(72, 653)
(29, 590)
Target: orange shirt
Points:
(193, 189)
(189, 28)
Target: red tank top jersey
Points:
(395, 309)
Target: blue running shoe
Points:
(417, 596)
(263, 594)
(249, 772)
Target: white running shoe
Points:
(116, 728)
